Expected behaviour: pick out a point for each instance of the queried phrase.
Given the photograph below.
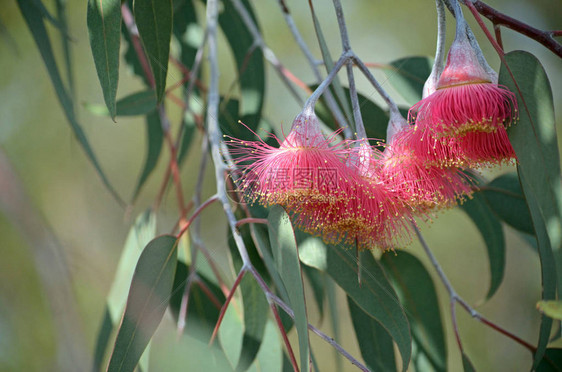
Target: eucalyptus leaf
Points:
(408, 75)
(148, 299)
(374, 341)
(492, 233)
(374, 295)
(154, 21)
(104, 28)
(285, 253)
(154, 140)
(535, 143)
(417, 292)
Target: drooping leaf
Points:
(504, 195)
(230, 335)
(316, 281)
(188, 133)
(467, 364)
(417, 293)
(140, 234)
(552, 361)
(154, 21)
(492, 233)
(154, 139)
(286, 257)
(270, 356)
(249, 63)
(552, 309)
(375, 296)
(186, 30)
(374, 341)
(104, 28)
(34, 19)
(102, 340)
(535, 143)
(62, 16)
(408, 76)
(148, 299)
(256, 307)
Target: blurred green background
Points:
(91, 227)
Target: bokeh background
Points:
(91, 228)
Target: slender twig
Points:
(195, 214)
(267, 52)
(321, 334)
(456, 298)
(251, 220)
(546, 38)
(311, 101)
(431, 82)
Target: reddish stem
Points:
(195, 214)
(498, 18)
(506, 333)
(285, 338)
(251, 220)
(226, 303)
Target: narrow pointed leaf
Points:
(408, 75)
(104, 28)
(535, 143)
(154, 139)
(417, 293)
(148, 299)
(286, 257)
(62, 15)
(375, 296)
(505, 197)
(36, 25)
(492, 233)
(552, 361)
(374, 341)
(154, 21)
(467, 364)
(249, 63)
(102, 340)
(270, 356)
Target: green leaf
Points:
(286, 257)
(186, 30)
(148, 299)
(417, 293)
(256, 307)
(154, 139)
(249, 63)
(505, 198)
(104, 27)
(62, 15)
(408, 76)
(140, 234)
(552, 361)
(374, 341)
(154, 21)
(317, 282)
(270, 356)
(535, 143)
(34, 19)
(102, 340)
(492, 232)
(188, 132)
(552, 309)
(374, 117)
(467, 364)
(374, 295)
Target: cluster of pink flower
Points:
(349, 192)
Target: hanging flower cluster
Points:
(349, 192)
